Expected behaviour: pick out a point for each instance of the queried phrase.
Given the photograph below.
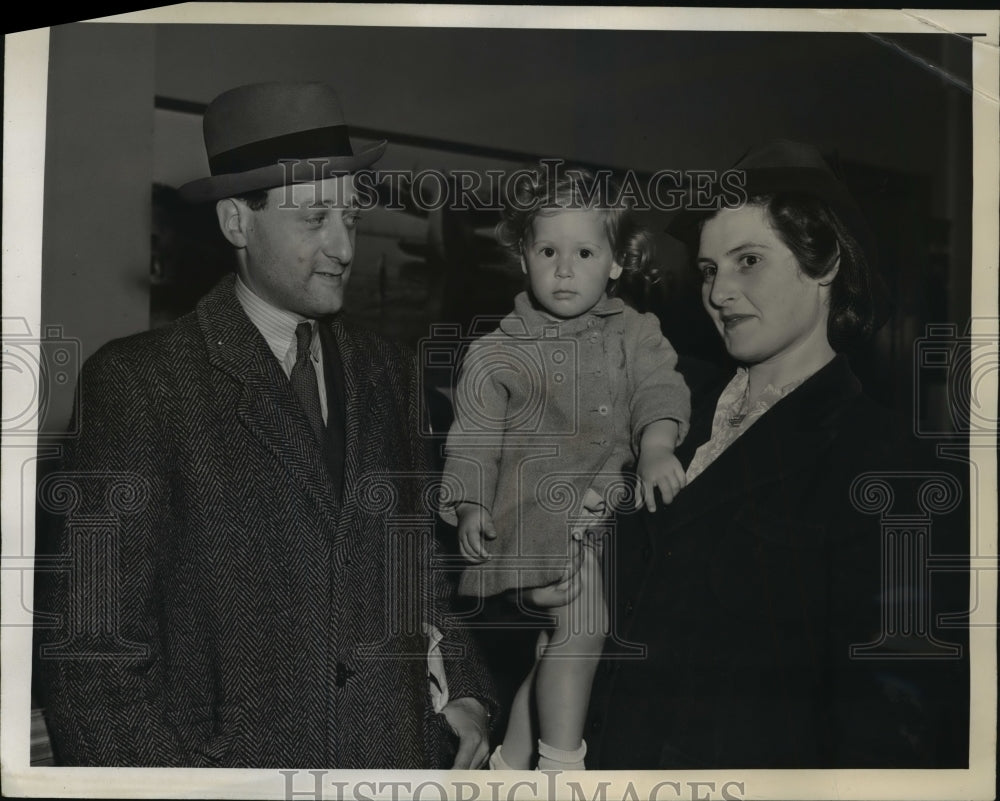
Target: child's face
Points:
(568, 260)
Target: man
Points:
(264, 612)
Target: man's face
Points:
(300, 246)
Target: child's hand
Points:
(658, 467)
(474, 525)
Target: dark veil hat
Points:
(777, 167)
(782, 166)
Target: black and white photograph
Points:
(498, 403)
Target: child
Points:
(549, 409)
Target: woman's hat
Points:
(265, 135)
(793, 167)
(778, 167)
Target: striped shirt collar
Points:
(277, 326)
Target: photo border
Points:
(25, 76)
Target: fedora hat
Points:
(265, 135)
(779, 167)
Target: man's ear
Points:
(233, 219)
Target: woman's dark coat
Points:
(748, 591)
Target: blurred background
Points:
(122, 253)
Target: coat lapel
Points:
(263, 399)
(781, 443)
(360, 376)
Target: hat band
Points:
(314, 143)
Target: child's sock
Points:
(496, 761)
(550, 758)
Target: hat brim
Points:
(217, 187)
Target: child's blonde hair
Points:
(547, 191)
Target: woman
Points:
(749, 590)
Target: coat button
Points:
(343, 673)
(602, 409)
(629, 607)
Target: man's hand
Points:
(565, 589)
(658, 467)
(475, 525)
(467, 719)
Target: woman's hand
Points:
(475, 525)
(658, 467)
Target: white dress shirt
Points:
(277, 326)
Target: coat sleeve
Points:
(658, 391)
(472, 450)
(101, 671)
(464, 667)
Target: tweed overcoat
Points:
(748, 591)
(546, 411)
(260, 622)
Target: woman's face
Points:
(765, 308)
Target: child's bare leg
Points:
(518, 748)
(566, 670)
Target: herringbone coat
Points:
(274, 627)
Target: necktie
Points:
(303, 378)
(334, 445)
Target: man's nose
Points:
(337, 242)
